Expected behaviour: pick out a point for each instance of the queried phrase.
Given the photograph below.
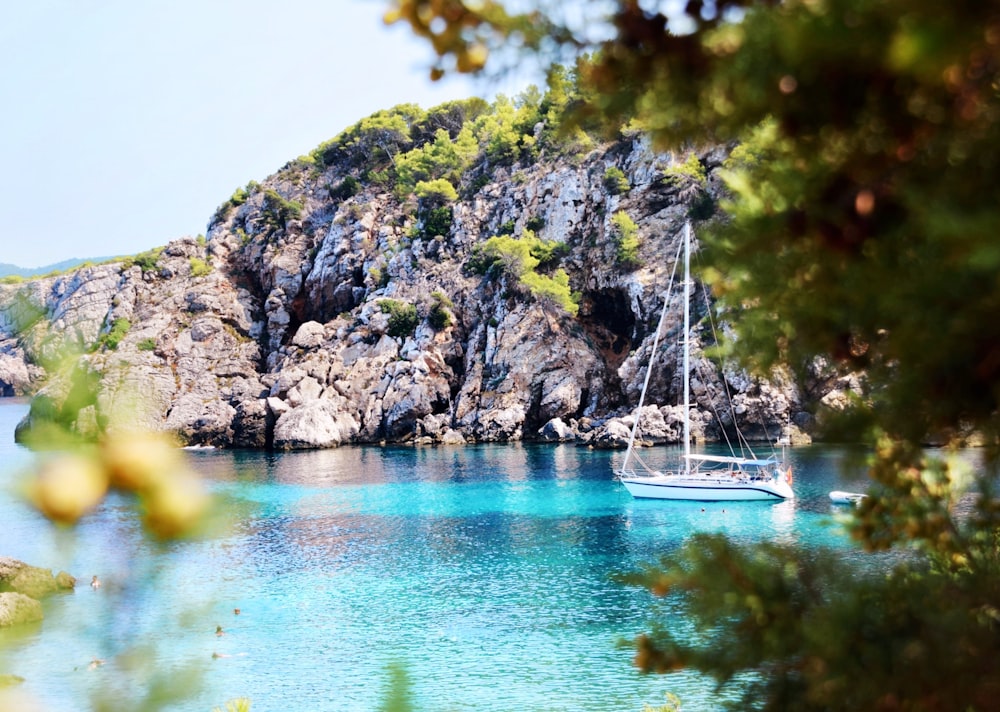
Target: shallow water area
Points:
(482, 571)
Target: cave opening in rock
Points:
(606, 316)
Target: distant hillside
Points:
(7, 270)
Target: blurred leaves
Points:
(81, 458)
(821, 634)
(67, 484)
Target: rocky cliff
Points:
(325, 307)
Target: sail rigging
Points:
(700, 477)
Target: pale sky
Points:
(125, 123)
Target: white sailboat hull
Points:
(707, 488)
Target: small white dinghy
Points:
(838, 497)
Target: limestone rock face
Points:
(284, 330)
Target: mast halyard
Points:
(649, 368)
(687, 348)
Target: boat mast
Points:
(652, 357)
(687, 348)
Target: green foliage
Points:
(626, 236)
(615, 181)
(199, 267)
(148, 344)
(347, 188)
(238, 704)
(110, 339)
(403, 317)
(239, 196)
(436, 191)
(373, 141)
(517, 259)
(691, 183)
(434, 222)
(452, 117)
(534, 223)
(552, 290)
(405, 146)
(443, 159)
(690, 171)
(12, 279)
(379, 276)
(829, 637)
(439, 316)
(505, 254)
(547, 252)
(434, 216)
(702, 206)
(515, 256)
(277, 211)
(147, 261)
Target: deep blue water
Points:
(482, 570)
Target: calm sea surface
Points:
(482, 571)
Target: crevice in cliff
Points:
(533, 416)
(581, 410)
(297, 314)
(607, 319)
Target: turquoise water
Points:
(482, 570)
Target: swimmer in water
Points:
(95, 583)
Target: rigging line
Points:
(652, 356)
(729, 397)
(715, 410)
(741, 439)
(642, 462)
(763, 424)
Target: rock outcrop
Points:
(277, 330)
(21, 587)
(18, 577)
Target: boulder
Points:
(613, 435)
(557, 431)
(310, 335)
(16, 609)
(316, 424)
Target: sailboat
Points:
(700, 477)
